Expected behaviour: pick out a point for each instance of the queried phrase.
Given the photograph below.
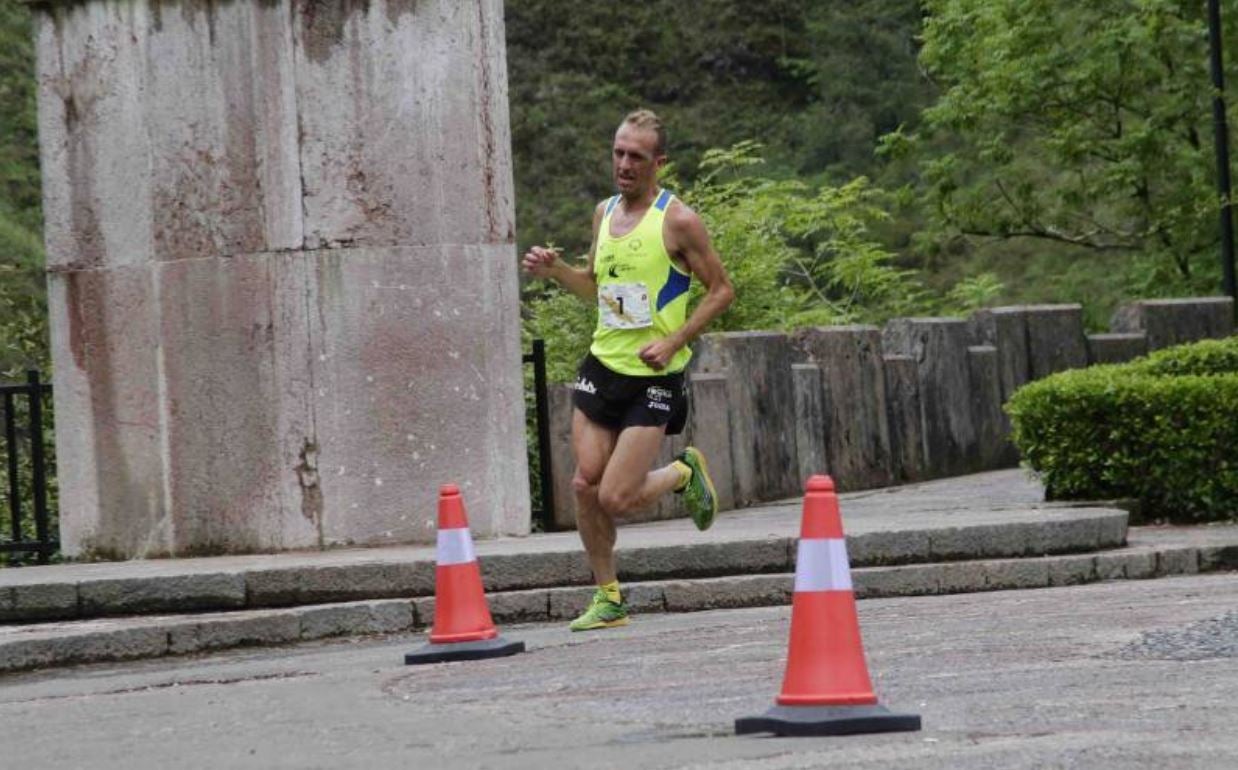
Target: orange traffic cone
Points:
(463, 629)
(826, 690)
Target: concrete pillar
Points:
(1055, 339)
(1116, 348)
(857, 431)
(907, 450)
(709, 429)
(761, 402)
(1169, 322)
(811, 421)
(939, 347)
(281, 272)
(993, 446)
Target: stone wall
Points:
(282, 272)
(920, 399)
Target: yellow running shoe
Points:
(699, 496)
(601, 613)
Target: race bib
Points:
(624, 305)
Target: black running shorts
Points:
(619, 401)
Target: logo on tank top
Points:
(634, 244)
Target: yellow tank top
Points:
(642, 294)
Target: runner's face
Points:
(635, 160)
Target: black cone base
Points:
(497, 647)
(828, 720)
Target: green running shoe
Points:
(699, 496)
(602, 613)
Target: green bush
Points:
(1204, 357)
(1161, 429)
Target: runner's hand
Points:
(541, 261)
(658, 354)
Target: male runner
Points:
(646, 247)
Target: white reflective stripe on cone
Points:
(821, 565)
(455, 546)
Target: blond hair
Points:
(649, 121)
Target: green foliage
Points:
(1159, 429)
(816, 82)
(1080, 125)
(1203, 357)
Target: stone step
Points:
(111, 639)
(71, 592)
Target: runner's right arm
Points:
(545, 263)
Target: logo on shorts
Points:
(658, 393)
(585, 386)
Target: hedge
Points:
(1162, 429)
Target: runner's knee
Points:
(583, 483)
(615, 500)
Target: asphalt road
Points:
(1129, 674)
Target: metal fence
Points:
(543, 516)
(27, 475)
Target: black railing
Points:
(18, 539)
(544, 516)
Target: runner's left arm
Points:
(689, 240)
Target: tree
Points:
(1080, 124)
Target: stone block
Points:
(709, 429)
(520, 606)
(1013, 574)
(1125, 565)
(223, 632)
(404, 123)
(316, 585)
(133, 170)
(939, 347)
(518, 571)
(235, 335)
(761, 402)
(423, 612)
(728, 593)
(993, 447)
(1055, 339)
(380, 617)
(1111, 530)
(567, 604)
(187, 316)
(109, 448)
(1005, 328)
(173, 593)
(706, 559)
(1182, 560)
(562, 460)
(1169, 322)
(856, 424)
(1214, 558)
(1072, 570)
(963, 577)
(903, 415)
(84, 647)
(878, 548)
(810, 419)
(416, 376)
(906, 580)
(39, 601)
(1116, 348)
(644, 597)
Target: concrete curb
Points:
(114, 639)
(1079, 530)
